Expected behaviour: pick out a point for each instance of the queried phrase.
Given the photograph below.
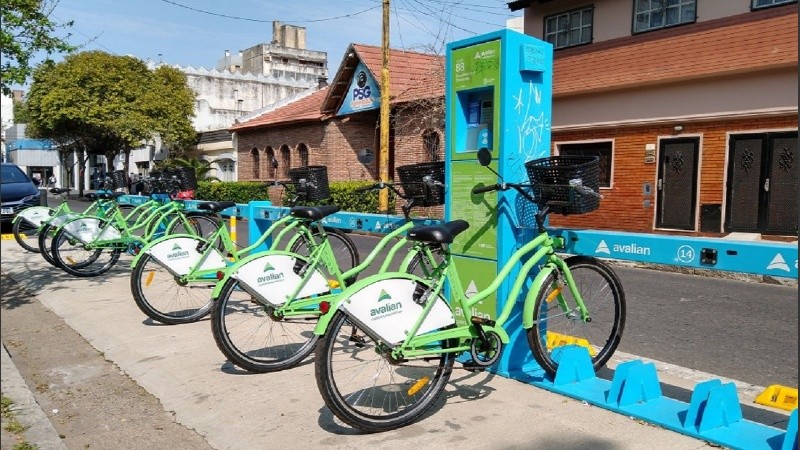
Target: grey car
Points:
(17, 191)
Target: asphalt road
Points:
(742, 330)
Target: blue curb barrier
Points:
(714, 413)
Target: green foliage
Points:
(201, 167)
(106, 103)
(343, 194)
(27, 29)
(20, 112)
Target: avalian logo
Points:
(270, 277)
(602, 248)
(387, 309)
(177, 253)
(778, 263)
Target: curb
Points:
(40, 432)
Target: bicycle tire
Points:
(80, 262)
(162, 298)
(23, 226)
(603, 296)
(343, 344)
(244, 330)
(343, 248)
(420, 266)
(45, 240)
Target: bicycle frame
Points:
(415, 345)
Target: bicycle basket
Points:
(412, 180)
(119, 179)
(551, 178)
(187, 178)
(315, 188)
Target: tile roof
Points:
(750, 42)
(305, 109)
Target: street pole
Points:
(383, 161)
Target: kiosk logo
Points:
(778, 263)
(602, 248)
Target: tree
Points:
(107, 104)
(201, 167)
(26, 30)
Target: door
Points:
(677, 183)
(762, 183)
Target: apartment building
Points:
(691, 106)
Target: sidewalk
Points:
(229, 408)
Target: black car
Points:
(17, 191)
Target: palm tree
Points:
(201, 167)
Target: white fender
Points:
(271, 279)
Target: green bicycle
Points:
(172, 277)
(388, 343)
(266, 306)
(90, 246)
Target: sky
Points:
(197, 32)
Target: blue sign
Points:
(363, 93)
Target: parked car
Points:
(17, 191)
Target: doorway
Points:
(677, 183)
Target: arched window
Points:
(286, 160)
(269, 153)
(256, 163)
(302, 152)
(432, 144)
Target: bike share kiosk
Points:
(498, 95)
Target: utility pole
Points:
(383, 160)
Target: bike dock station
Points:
(498, 96)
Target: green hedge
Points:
(343, 194)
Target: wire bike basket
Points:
(412, 179)
(554, 181)
(311, 183)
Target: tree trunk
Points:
(81, 169)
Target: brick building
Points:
(330, 127)
(691, 106)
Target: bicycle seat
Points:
(215, 206)
(56, 191)
(313, 212)
(440, 234)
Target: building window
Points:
(270, 154)
(256, 163)
(569, 28)
(286, 161)
(603, 150)
(432, 145)
(302, 152)
(759, 4)
(654, 14)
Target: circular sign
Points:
(685, 254)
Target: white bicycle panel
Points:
(388, 309)
(62, 219)
(36, 214)
(272, 279)
(90, 229)
(180, 255)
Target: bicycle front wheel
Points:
(164, 298)
(45, 240)
(342, 246)
(553, 326)
(250, 335)
(366, 390)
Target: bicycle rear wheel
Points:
(366, 390)
(603, 296)
(25, 232)
(166, 300)
(195, 224)
(77, 260)
(251, 337)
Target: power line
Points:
(266, 21)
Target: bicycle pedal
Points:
(482, 321)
